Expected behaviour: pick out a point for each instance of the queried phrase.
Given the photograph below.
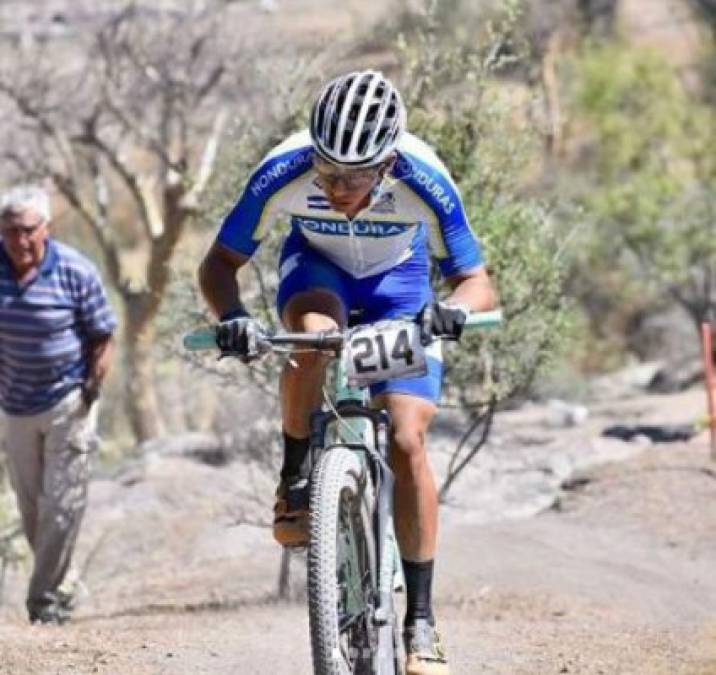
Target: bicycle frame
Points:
(366, 430)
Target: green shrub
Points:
(648, 186)
(475, 119)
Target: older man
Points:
(55, 348)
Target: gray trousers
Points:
(48, 458)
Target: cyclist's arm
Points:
(452, 241)
(217, 278)
(248, 221)
(472, 289)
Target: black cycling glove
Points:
(440, 319)
(239, 334)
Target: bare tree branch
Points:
(18, 160)
(115, 100)
(101, 192)
(456, 467)
(155, 219)
(190, 201)
(109, 248)
(34, 114)
(132, 180)
(129, 122)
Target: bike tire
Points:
(342, 498)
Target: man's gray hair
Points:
(26, 197)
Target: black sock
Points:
(418, 586)
(295, 451)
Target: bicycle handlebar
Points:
(205, 338)
(484, 320)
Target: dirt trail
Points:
(619, 577)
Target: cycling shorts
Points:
(398, 292)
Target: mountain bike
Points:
(353, 558)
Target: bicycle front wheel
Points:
(341, 565)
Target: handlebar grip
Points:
(490, 319)
(200, 339)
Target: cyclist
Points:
(365, 201)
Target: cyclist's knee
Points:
(408, 444)
(313, 310)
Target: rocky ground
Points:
(604, 565)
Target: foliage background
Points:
(584, 156)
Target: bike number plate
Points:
(383, 351)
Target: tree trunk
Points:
(142, 405)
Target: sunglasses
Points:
(350, 178)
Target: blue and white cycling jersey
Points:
(417, 199)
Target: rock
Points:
(626, 381)
(676, 376)
(563, 414)
(651, 433)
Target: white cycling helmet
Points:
(357, 119)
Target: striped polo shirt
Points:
(46, 327)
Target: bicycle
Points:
(353, 559)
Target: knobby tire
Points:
(341, 497)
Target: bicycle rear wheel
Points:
(342, 573)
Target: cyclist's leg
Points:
(312, 295)
(309, 298)
(311, 310)
(416, 522)
(412, 404)
(416, 501)
(400, 292)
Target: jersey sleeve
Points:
(452, 241)
(247, 222)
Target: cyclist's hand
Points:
(440, 319)
(239, 335)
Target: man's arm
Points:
(217, 279)
(473, 290)
(101, 351)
